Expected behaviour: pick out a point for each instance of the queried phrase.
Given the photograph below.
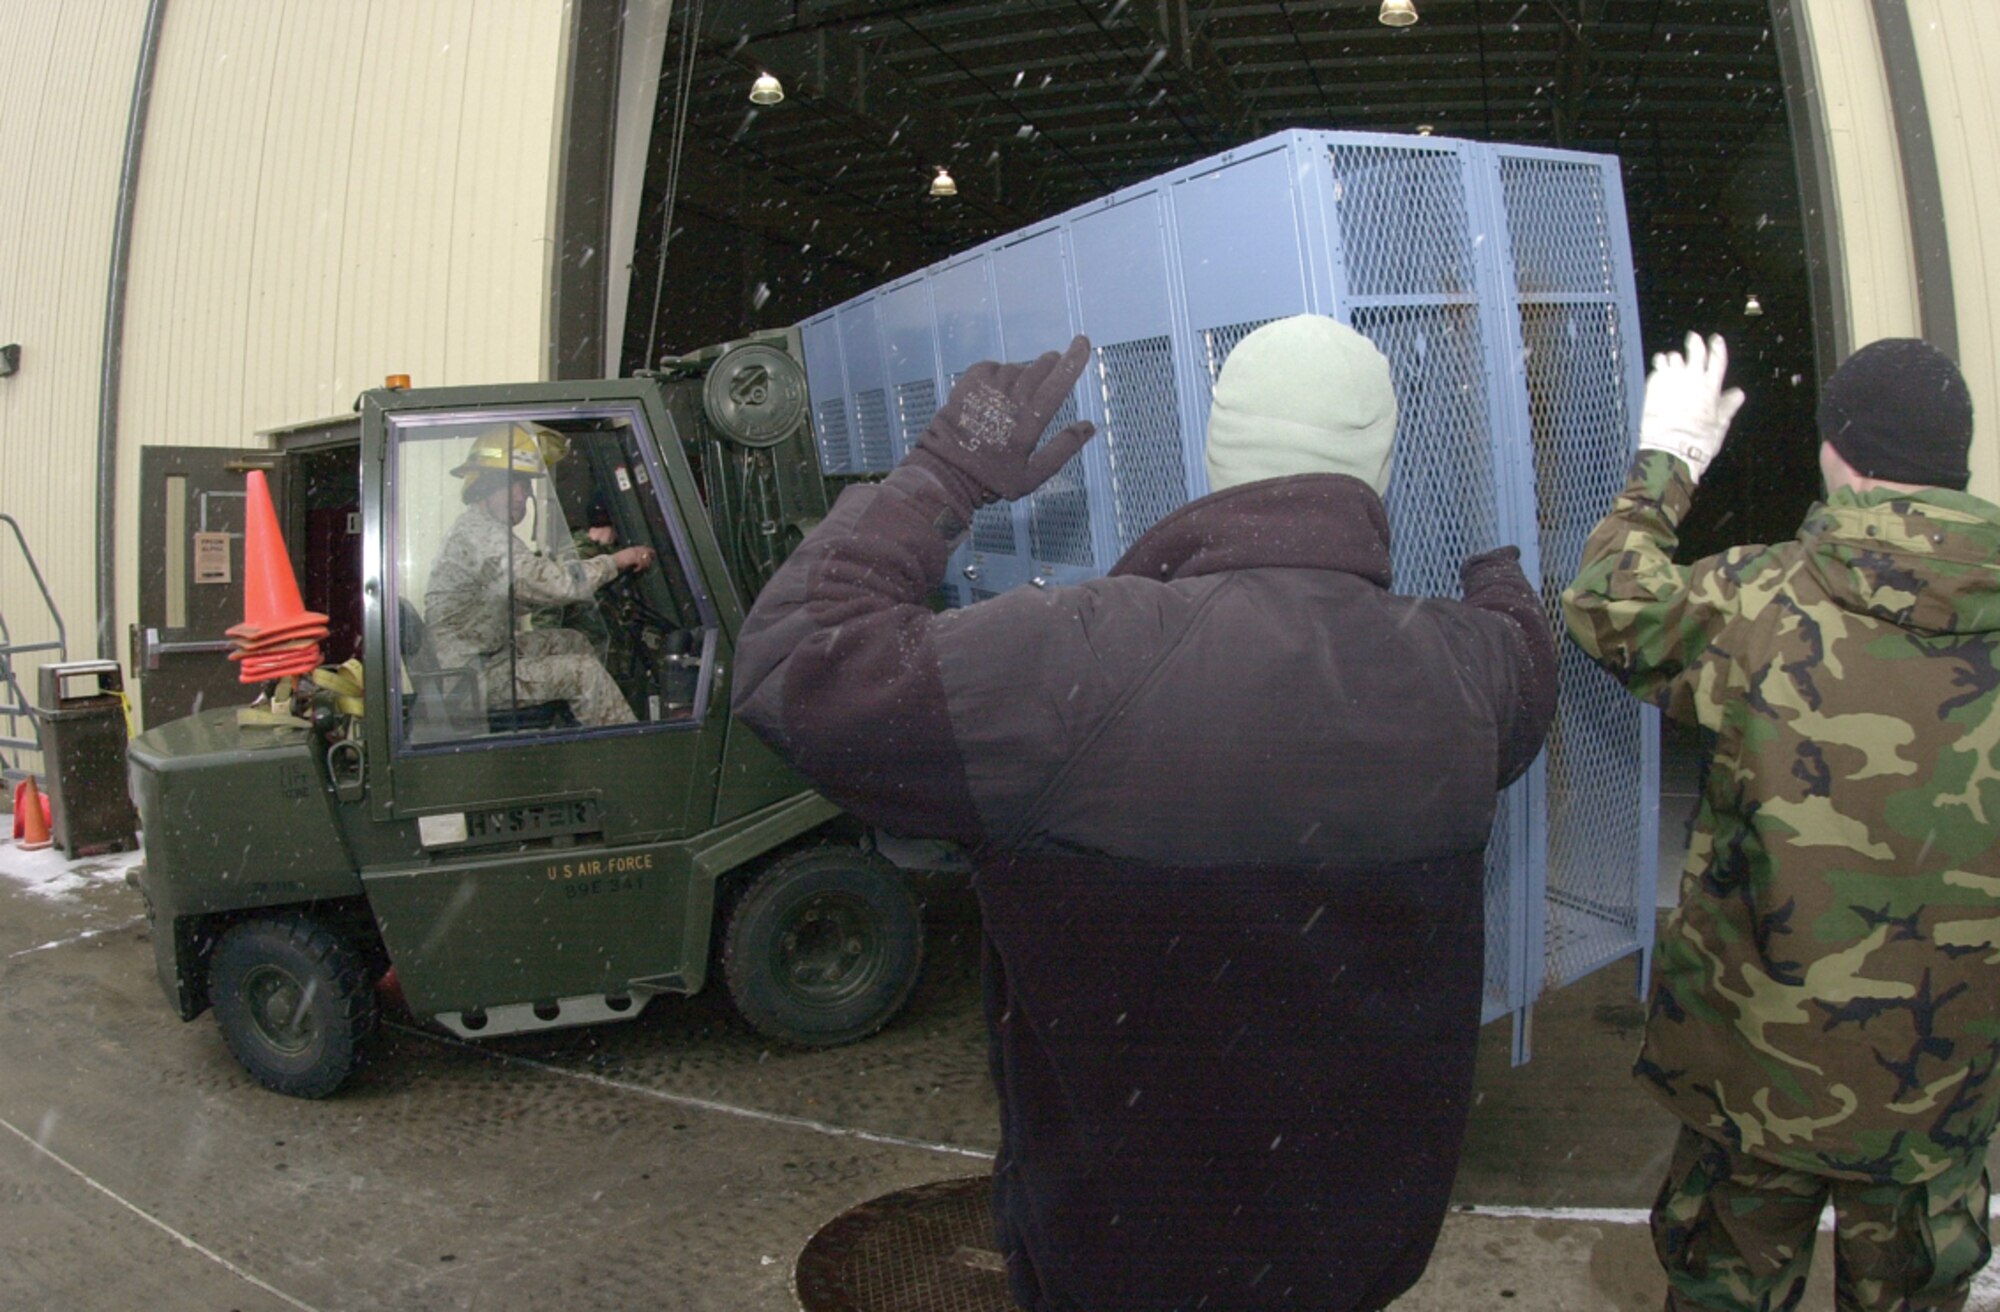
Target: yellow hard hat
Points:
(516, 448)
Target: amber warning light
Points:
(397, 382)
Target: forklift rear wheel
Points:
(824, 947)
(295, 1002)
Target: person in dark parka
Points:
(1227, 809)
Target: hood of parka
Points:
(1927, 561)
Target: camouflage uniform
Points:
(1734, 1231)
(1826, 997)
(484, 577)
(601, 620)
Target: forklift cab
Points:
(521, 862)
(504, 628)
(652, 631)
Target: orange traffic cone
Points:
(30, 819)
(278, 635)
(271, 601)
(21, 807)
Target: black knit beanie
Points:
(1898, 409)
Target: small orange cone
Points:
(29, 815)
(21, 807)
(278, 635)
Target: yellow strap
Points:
(344, 682)
(255, 717)
(263, 717)
(341, 680)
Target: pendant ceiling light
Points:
(1753, 308)
(942, 185)
(1397, 13)
(766, 90)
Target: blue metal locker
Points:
(1498, 282)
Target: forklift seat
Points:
(442, 704)
(445, 703)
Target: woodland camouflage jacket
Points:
(1827, 994)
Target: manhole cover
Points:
(927, 1249)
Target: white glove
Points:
(1687, 413)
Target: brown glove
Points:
(987, 430)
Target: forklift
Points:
(420, 807)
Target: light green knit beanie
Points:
(1303, 395)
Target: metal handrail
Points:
(18, 705)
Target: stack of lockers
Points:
(1498, 281)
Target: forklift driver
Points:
(607, 621)
(486, 578)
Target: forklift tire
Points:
(295, 1002)
(823, 947)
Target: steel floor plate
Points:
(927, 1249)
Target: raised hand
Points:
(988, 428)
(1687, 413)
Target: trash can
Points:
(83, 757)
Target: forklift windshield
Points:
(541, 585)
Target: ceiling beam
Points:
(754, 199)
(1166, 27)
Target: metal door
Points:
(461, 741)
(191, 575)
(478, 770)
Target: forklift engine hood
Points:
(233, 817)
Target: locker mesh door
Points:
(1402, 217)
(916, 402)
(830, 423)
(1442, 502)
(1405, 235)
(1443, 506)
(1558, 221)
(1575, 348)
(1142, 435)
(1059, 510)
(871, 414)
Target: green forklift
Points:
(475, 811)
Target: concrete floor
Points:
(673, 1162)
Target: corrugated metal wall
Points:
(1880, 271)
(329, 193)
(1959, 47)
(65, 84)
(1958, 44)
(332, 193)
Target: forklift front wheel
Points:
(294, 1001)
(824, 947)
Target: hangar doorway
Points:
(781, 210)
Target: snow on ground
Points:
(51, 873)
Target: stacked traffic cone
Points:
(31, 816)
(278, 636)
